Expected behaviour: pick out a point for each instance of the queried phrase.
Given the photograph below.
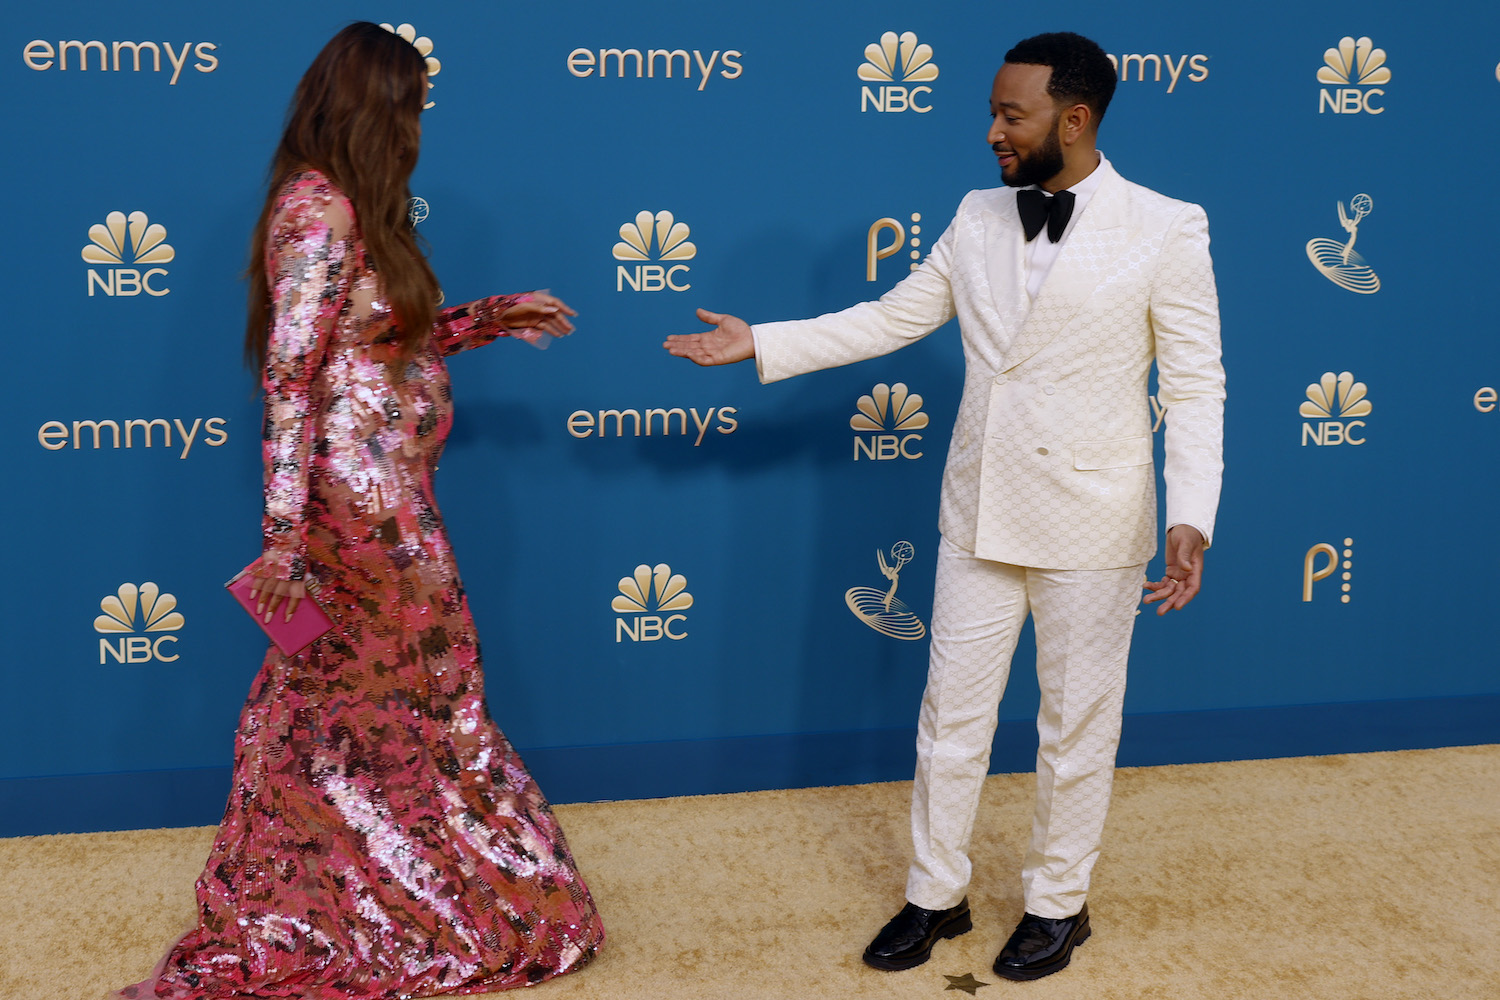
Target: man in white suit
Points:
(1065, 289)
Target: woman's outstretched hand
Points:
(729, 341)
(540, 311)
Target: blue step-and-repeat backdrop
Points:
(672, 568)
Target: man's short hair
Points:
(1081, 72)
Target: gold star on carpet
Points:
(965, 982)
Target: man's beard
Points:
(1040, 167)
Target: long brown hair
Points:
(354, 117)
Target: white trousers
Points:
(1083, 620)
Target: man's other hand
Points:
(1184, 576)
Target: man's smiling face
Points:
(1024, 125)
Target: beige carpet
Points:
(1360, 877)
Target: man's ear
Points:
(1075, 122)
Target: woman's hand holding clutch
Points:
(272, 592)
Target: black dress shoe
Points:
(907, 940)
(1040, 946)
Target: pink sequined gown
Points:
(382, 838)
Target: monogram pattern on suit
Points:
(1050, 463)
(1048, 505)
(977, 613)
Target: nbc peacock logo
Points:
(900, 67)
(651, 603)
(887, 420)
(423, 45)
(654, 236)
(1334, 404)
(881, 609)
(129, 249)
(132, 610)
(1356, 72)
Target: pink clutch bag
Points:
(309, 622)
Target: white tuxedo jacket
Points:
(1050, 464)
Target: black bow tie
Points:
(1040, 209)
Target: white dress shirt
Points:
(1041, 252)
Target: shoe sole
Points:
(1038, 971)
(961, 925)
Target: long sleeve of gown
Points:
(308, 242)
(476, 323)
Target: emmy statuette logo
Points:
(887, 419)
(899, 238)
(1335, 402)
(651, 603)
(423, 45)
(900, 67)
(131, 240)
(1356, 70)
(417, 211)
(1312, 572)
(881, 609)
(156, 614)
(1338, 262)
(670, 241)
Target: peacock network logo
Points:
(1337, 260)
(128, 251)
(650, 604)
(887, 420)
(1333, 408)
(653, 236)
(1355, 72)
(142, 619)
(881, 609)
(423, 45)
(1334, 560)
(897, 71)
(901, 236)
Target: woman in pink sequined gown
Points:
(382, 838)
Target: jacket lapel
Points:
(1097, 239)
(1005, 263)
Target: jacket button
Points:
(1000, 380)
(1041, 451)
(1049, 390)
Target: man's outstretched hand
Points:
(1184, 576)
(729, 341)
